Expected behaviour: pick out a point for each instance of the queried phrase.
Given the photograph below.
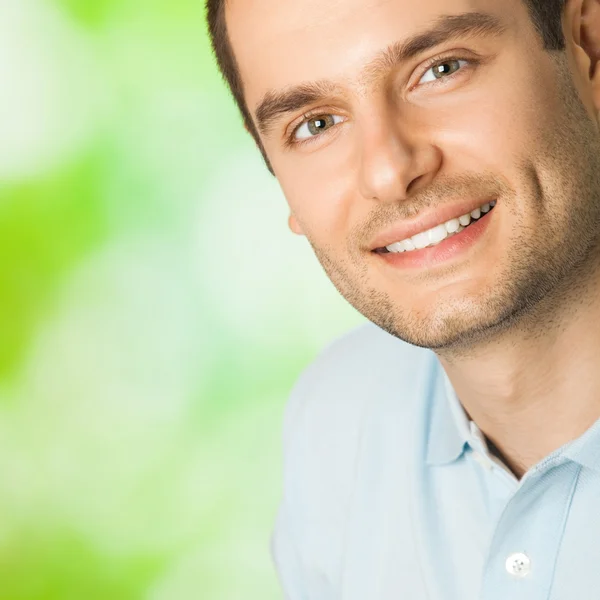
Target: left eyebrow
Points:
(275, 104)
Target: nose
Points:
(394, 163)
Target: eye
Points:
(443, 69)
(315, 125)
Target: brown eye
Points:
(443, 69)
(446, 68)
(320, 123)
(313, 126)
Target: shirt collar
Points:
(450, 430)
(449, 425)
(585, 450)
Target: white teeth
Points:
(437, 234)
(421, 240)
(397, 247)
(409, 245)
(452, 226)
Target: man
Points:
(442, 157)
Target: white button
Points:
(518, 564)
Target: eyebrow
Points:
(277, 103)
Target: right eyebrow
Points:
(275, 104)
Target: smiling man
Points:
(442, 158)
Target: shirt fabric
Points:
(390, 493)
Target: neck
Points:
(536, 388)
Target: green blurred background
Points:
(155, 312)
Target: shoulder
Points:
(360, 380)
(348, 376)
(337, 397)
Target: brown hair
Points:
(546, 16)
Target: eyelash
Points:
(291, 142)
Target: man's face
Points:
(483, 116)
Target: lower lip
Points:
(448, 249)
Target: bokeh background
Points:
(155, 312)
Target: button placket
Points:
(543, 497)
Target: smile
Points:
(436, 235)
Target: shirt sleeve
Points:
(285, 542)
(321, 427)
(287, 559)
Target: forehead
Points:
(280, 43)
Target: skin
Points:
(515, 321)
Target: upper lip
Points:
(407, 229)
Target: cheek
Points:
(485, 141)
(321, 201)
(501, 118)
(492, 133)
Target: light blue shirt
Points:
(390, 493)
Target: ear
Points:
(585, 19)
(294, 225)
